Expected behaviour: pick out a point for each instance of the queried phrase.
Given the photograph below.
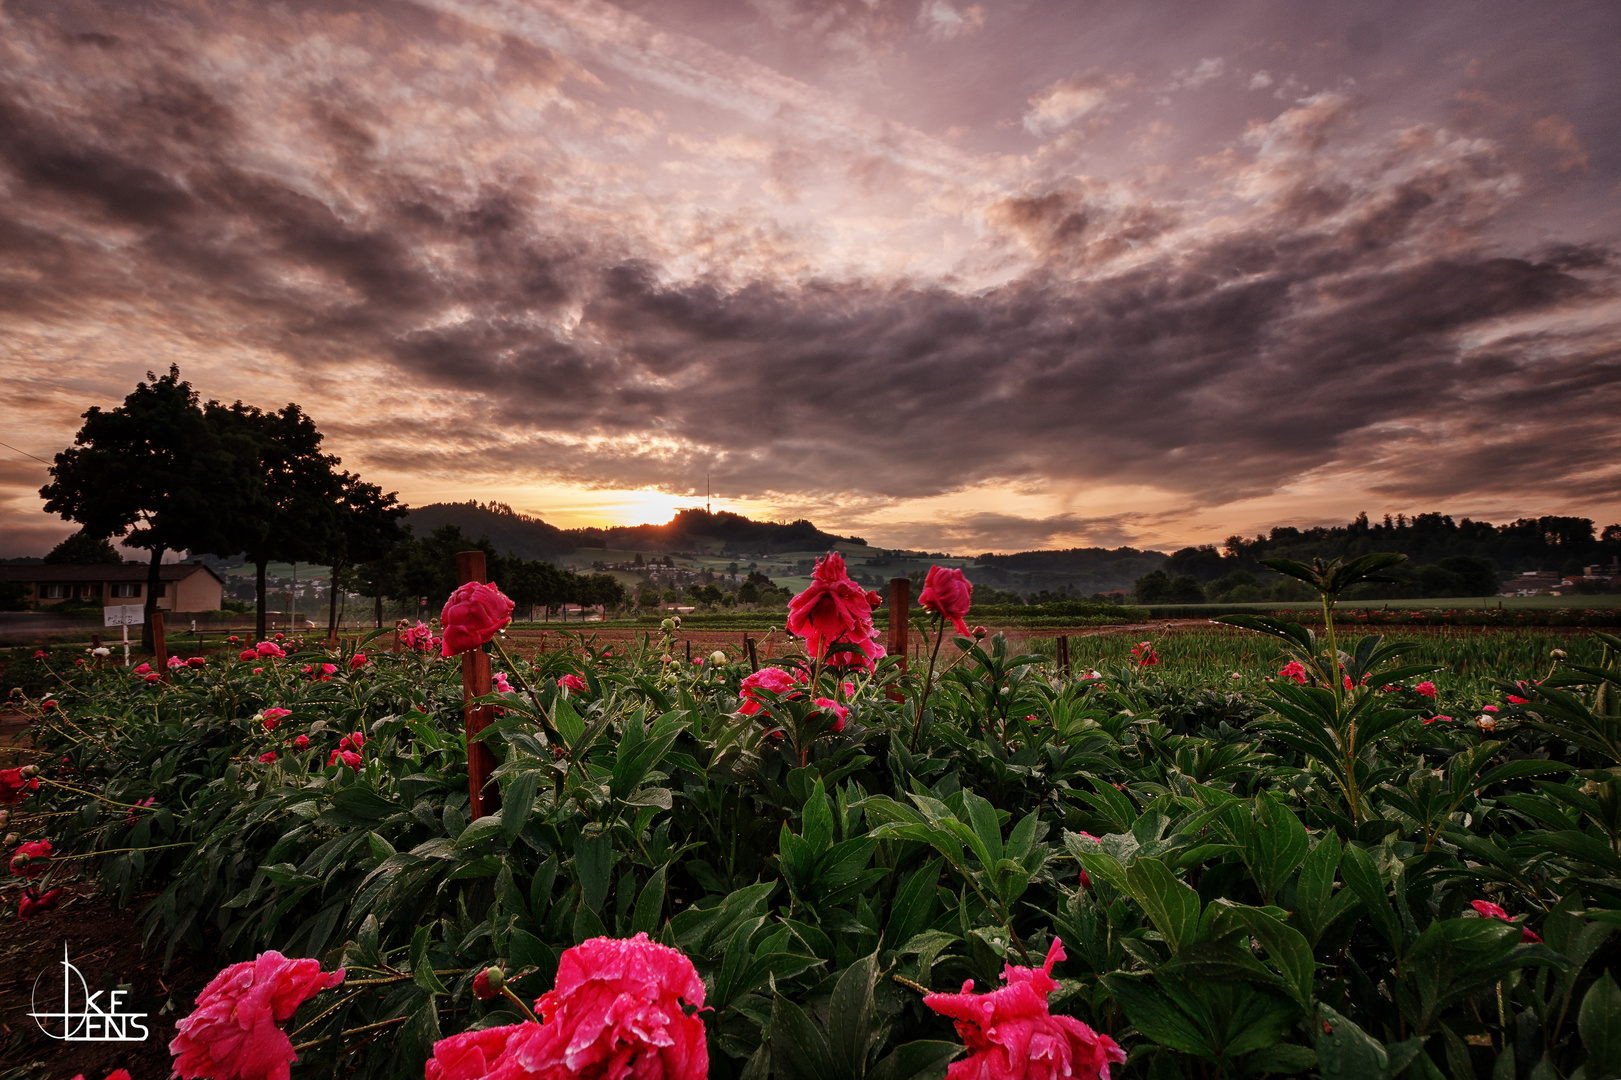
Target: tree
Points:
(368, 527)
(295, 499)
(83, 549)
(153, 468)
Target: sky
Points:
(945, 275)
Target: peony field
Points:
(433, 851)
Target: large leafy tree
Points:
(368, 528)
(83, 549)
(297, 507)
(155, 471)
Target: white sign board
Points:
(123, 615)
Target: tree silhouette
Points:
(155, 469)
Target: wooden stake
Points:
(160, 648)
(748, 644)
(900, 617)
(1063, 655)
(483, 796)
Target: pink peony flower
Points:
(270, 648)
(358, 661)
(234, 640)
(116, 1074)
(1426, 688)
(31, 859)
(1011, 1036)
(154, 677)
(501, 684)
(258, 670)
(472, 615)
(175, 661)
(1437, 716)
(947, 593)
(302, 742)
(268, 756)
(14, 786)
(276, 712)
(39, 654)
(835, 611)
(32, 905)
(129, 815)
(1144, 654)
(839, 711)
(574, 683)
(418, 637)
(1295, 670)
(348, 757)
(232, 1034)
(248, 654)
(1515, 699)
(774, 679)
(144, 669)
(196, 661)
(1489, 910)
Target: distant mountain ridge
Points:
(689, 530)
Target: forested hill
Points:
(689, 530)
(1080, 570)
(1544, 543)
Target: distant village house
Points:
(181, 586)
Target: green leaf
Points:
(1363, 878)
(1172, 906)
(922, 1059)
(649, 904)
(517, 802)
(1153, 1014)
(421, 967)
(817, 827)
(593, 865)
(851, 1029)
(1346, 1052)
(567, 722)
(1599, 1023)
(799, 1051)
(1275, 845)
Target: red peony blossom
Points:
(484, 988)
(774, 679)
(234, 640)
(358, 661)
(196, 661)
(47, 705)
(154, 678)
(31, 859)
(573, 682)
(275, 712)
(268, 757)
(232, 1034)
(348, 757)
(302, 742)
(32, 905)
(116, 1074)
(270, 648)
(175, 662)
(472, 615)
(143, 669)
(1144, 654)
(39, 654)
(617, 1012)
(248, 654)
(1426, 688)
(1489, 910)
(947, 592)
(835, 611)
(1295, 670)
(14, 786)
(418, 637)
(129, 815)
(1011, 1036)
(839, 711)
(1515, 699)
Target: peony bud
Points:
(979, 633)
(717, 658)
(488, 983)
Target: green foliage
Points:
(1274, 879)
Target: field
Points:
(1251, 872)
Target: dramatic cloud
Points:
(918, 279)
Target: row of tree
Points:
(1457, 576)
(166, 472)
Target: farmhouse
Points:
(181, 586)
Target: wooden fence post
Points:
(483, 796)
(1063, 655)
(900, 617)
(160, 647)
(748, 643)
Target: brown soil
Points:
(104, 944)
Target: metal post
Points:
(483, 796)
(900, 617)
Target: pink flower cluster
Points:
(15, 784)
(1144, 654)
(1010, 1035)
(834, 610)
(419, 637)
(1295, 670)
(472, 615)
(234, 1032)
(618, 1011)
(348, 751)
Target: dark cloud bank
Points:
(1356, 319)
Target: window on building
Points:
(56, 592)
(127, 588)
